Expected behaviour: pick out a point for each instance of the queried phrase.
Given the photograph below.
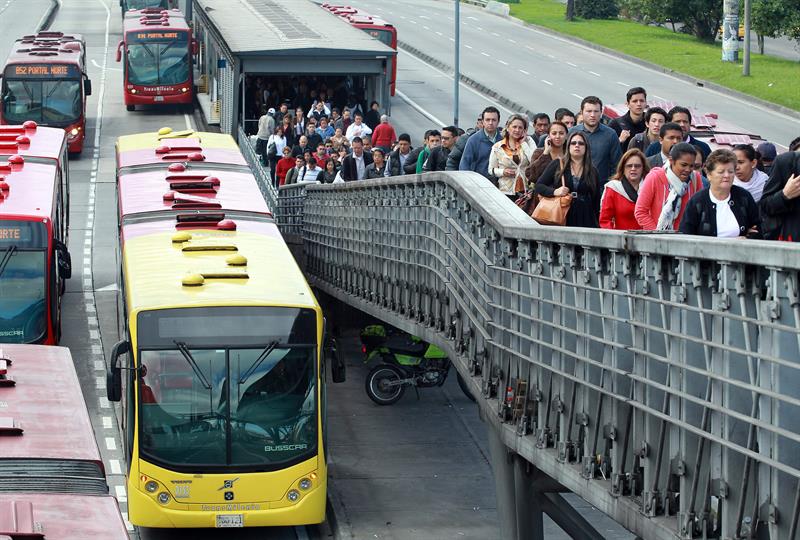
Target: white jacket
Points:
(499, 161)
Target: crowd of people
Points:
(642, 171)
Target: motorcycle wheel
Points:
(377, 388)
(464, 388)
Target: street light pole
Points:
(747, 22)
(457, 66)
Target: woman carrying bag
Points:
(511, 156)
(572, 183)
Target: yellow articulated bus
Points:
(221, 372)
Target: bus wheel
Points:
(130, 108)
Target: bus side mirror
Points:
(195, 46)
(114, 376)
(119, 51)
(87, 87)
(335, 361)
(63, 260)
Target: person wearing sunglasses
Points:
(620, 193)
(575, 175)
(511, 156)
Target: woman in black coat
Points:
(722, 209)
(580, 178)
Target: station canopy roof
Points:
(289, 28)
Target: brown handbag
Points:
(553, 210)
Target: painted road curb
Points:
(50, 16)
(617, 54)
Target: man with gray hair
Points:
(384, 135)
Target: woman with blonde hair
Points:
(511, 156)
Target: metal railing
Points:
(654, 375)
(261, 173)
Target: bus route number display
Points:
(160, 36)
(22, 234)
(44, 70)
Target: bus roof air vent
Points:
(9, 426)
(236, 260)
(16, 521)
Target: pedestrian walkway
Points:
(418, 469)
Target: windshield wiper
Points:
(7, 258)
(191, 361)
(261, 357)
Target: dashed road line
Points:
(595, 74)
(111, 443)
(485, 54)
(571, 64)
(467, 46)
(548, 83)
(622, 84)
(524, 72)
(503, 62)
(577, 96)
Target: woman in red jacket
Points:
(284, 165)
(621, 192)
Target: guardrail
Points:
(261, 173)
(654, 375)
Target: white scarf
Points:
(672, 205)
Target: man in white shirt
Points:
(357, 129)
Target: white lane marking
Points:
(414, 105)
(473, 18)
(111, 444)
(100, 382)
(577, 96)
(116, 468)
(439, 34)
(104, 403)
(412, 21)
(485, 54)
(571, 64)
(122, 496)
(550, 56)
(467, 46)
(503, 62)
(301, 533)
(495, 34)
(465, 86)
(188, 120)
(548, 83)
(529, 47)
(511, 41)
(425, 27)
(98, 66)
(524, 72)
(622, 84)
(99, 365)
(451, 39)
(479, 28)
(107, 422)
(595, 74)
(659, 97)
(125, 519)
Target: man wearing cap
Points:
(377, 168)
(768, 154)
(384, 135)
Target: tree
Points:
(775, 18)
(570, 10)
(597, 9)
(700, 18)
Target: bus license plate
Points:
(225, 521)
(158, 98)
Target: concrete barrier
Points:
(498, 8)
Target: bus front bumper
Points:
(144, 511)
(183, 98)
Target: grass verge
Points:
(772, 79)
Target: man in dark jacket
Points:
(410, 166)
(437, 161)
(398, 158)
(780, 203)
(354, 165)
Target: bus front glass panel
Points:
(23, 310)
(158, 58)
(144, 4)
(247, 407)
(384, 36)
(52, 102)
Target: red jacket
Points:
(383, 136)
(284, 164)
(652, 195)
(616, 209)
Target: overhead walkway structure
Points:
(655, 375)
(279, 39)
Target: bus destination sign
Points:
(150, 35)
(60, 71)
(22, 234)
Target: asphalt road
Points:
(546, 72)
(24, 16)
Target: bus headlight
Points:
(184, 90)
(74, 132)
(163, 497)
(133, 90)
(293, 495)
(151, 486)
(305, 484)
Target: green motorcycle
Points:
(403, 361)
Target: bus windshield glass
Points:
(23, 317)
(55, 103)
(144, 4)
(204, 408)
(158, 58)
(384, 36)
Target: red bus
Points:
(128, 5)
(34, 261)
(374, 26)
(156, 47)
(44, 80)
(53, 475)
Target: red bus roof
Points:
(32, 141)
(45, 401)
(355, 16)
(198, 190)
(176, 151)
(61, 517)
(242, 224)
(26, 190)
(47, 48)
(153, 20)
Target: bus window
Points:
(155, 63)
(23, 314)
(55, 102)
(384, 36)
